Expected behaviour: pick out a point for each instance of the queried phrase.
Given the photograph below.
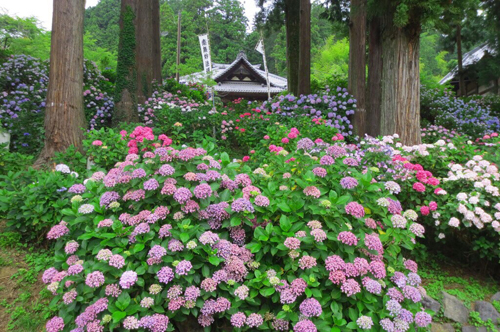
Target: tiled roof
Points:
(469, 58)
(277, 83)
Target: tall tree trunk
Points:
(461, 80)
(292, 18)
(357, 63)
(401, 81)
(148, 57)
(156, 42)
(374, 87)
(64, 114)
(304, 84)
(139, 56)
(126, 72)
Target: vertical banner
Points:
(205, 53)
(260, 48)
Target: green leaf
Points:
(123, 301)
(285, 223)
(267, 291)
(214, 260)
(284, 207)
(118, 316)
(184, 237)
(343, 200)
(235, 221)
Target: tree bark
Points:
(461, 80)
(304, 79)
(357, 63)
(126, 72)
(64, 114)
(292, 24)
(374, 87)
(401, 81)
(148, 57)
(139, 56)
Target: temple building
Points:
(240, 79)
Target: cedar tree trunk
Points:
(64, 114)
(304, 84)
(126, 71)
(148, 57)
(401, 81)
(462, 88)
(139, 57)
(357, 63)
(374, 87)
(292, 18)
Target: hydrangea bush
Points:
(173, 234)
(23, 90)
(332, 106)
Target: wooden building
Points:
(240, 79)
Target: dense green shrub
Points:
(32, 201)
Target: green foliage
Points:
(32, 200)
(112, 149)
(102, 22)
(13, 161)
(475, 320)
(332, 61)
(433, 66)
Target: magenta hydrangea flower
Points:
(261, 200)
(56, 324)
(307, 262)
(319, 172)
(305, 326)
(310, 308)
(117, 261)
(113, 290)
(355, 209)
(58, 231)
(238, 319)
(292, 243)
(254, 320)
(422, 319)
(350, 287)
(183, 268)
(128, 279)
(312, 191)
(202, 191)
(182, 195)
(151, 184)
(242, 204)
(95, 279)
(165, 275)
(348, 182)
(347, 238)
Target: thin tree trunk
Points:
(357, 63)
(374, 87)
(462, 88)
(401, 82)
(156, 42)
(292, 18)
(304, 83)
(64, 114)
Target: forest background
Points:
(230, 33)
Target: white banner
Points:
(205, 53)
(260, 47)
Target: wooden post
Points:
(178, 46)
